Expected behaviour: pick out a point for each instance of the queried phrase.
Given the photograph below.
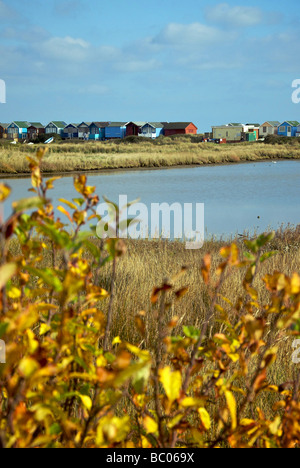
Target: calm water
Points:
(238, 198)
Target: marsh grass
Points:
(167, 152)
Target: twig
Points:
(208, 318)
(110, 307)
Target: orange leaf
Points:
(64, 211)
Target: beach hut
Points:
(115, 130)
(180, 128)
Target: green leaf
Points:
(256, 244)
(141, 378)
(250, 256)
(48, 276)
(81, 363)
(267, 255)
(79, 201)
(55, 429)
(61, 238)
(191, 332)
(28, 204)
(3, 328)
(265, 239)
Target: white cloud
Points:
(73, 52)
(65, 48)
(190, 34)
(240, 16)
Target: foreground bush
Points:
(68, 382)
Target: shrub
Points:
(69, 383)
(137, 139)
(280, 140)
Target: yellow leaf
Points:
(116, 340)
(44, 328)
(36, 178)
(101, 361)
(28, 367)
(205, 418)
(42, 412)
(14, 293)
(64, 211)
(112, 430)
(6, 273)
(41, 153)
(143, 355)
(234, 357)
(231, 403)
(4, 192)
(150, 425)
(70, 205)
(33, 343)
(87, 402)
(145, 443)
(129, 445)
(295, 284)
(247, 422)
(27, 318)
(188, 402)
(172, 382)
(49, 182)
(175, 421)
(275, 425)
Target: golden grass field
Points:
(93, 156)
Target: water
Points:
(240, 197)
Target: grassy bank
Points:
(90, 156)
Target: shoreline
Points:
(71, 173)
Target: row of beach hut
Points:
(22, 130)
(233, 132)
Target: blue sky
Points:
(202, 61)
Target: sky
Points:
(160, 60)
